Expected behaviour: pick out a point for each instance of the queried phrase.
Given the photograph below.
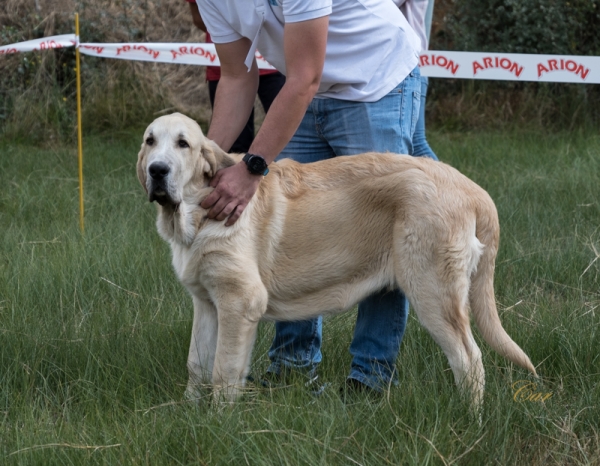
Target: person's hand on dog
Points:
(233, 188)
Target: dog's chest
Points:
(187, 268)
(181, 258)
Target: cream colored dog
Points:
(317, 238)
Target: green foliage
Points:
(511, 26)
(529, 26)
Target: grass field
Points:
(94, 328)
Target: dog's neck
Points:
(182, 224)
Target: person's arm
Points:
(196, 18)
(304, 49)
(235, 94)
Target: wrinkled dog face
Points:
(173, 147)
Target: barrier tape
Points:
(435, 64)
(46, 43)
(184, 53)
(511, 67)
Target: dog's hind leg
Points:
(447, 320)
(203, 346)
(442, 310)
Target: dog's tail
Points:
(481, 294)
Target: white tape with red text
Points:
(184, 53)
(465, 65)
(46, 43)
(511, 67)
(436, 64)
(180, 53)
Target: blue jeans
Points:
(420, 146)
(332, 128)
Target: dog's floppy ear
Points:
(215, 158)
(141, 167)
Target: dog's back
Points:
(332, 238)
(332, 230)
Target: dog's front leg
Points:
(234, 349)
(238, 321)
(203, 345)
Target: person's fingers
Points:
(210, 200)
(227, 210)
(235, 215)
(215, 179)
(232, 193)
(217, 208)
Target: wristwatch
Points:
(256, 164)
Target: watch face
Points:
(257, 164)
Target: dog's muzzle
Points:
(158, 174)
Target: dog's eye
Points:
(183, 143)
(150, 141)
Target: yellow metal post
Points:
(79, 138)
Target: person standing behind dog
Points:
(270, 83)
(415, 12)
(352, 86)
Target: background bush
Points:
(37, 90)
(511, 26)
(526, 26)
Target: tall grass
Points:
(94, 328)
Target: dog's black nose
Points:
(158, 170)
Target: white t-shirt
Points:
(415, 11)
(370, 45)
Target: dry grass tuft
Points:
(37, 89)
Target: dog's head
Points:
(177, 160)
